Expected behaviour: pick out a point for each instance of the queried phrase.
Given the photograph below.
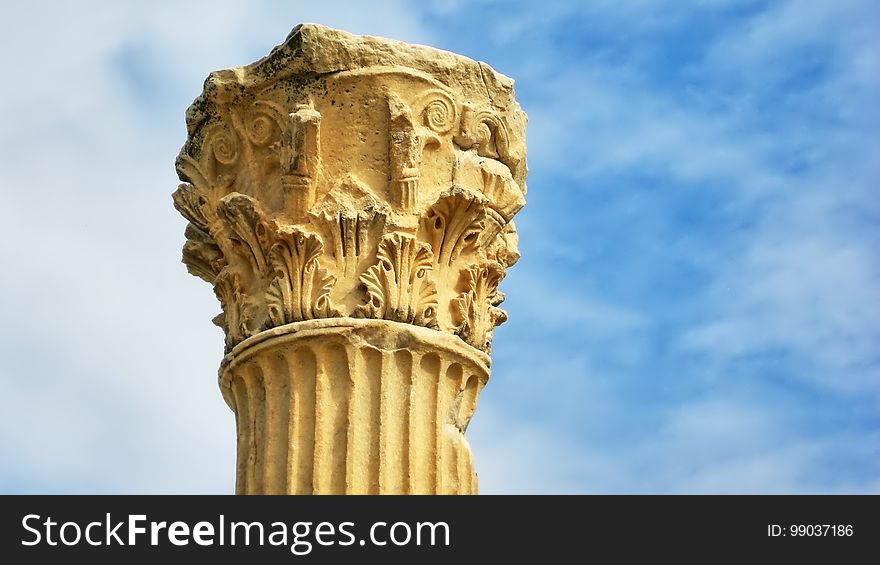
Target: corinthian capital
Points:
(345, 176)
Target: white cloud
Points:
(784, 27)
(712, 445)
(813, 298)
(519, 457)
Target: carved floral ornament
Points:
(378, 192)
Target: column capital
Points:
(348, 176)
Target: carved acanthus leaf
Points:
(351, 220)
(475, 310)
(452, 226)
(229, 291)
(201, 255)
(399, 286)
(351, 237)
(189, 170)
(190, 202)
(246, 229)
(505, 249)
(301, 288)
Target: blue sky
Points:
(696, 309)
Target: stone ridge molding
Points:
(351, 201)
(346, 176)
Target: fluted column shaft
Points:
(353, 407)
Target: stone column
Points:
(351, 199)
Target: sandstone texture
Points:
(351, 200)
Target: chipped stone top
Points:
(354, 176)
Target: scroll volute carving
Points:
(487, 133)
(225, 151)
(285, 154)
(261, 149)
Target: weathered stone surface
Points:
(365, 187)
(354, 407)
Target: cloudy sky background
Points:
(698, 304)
